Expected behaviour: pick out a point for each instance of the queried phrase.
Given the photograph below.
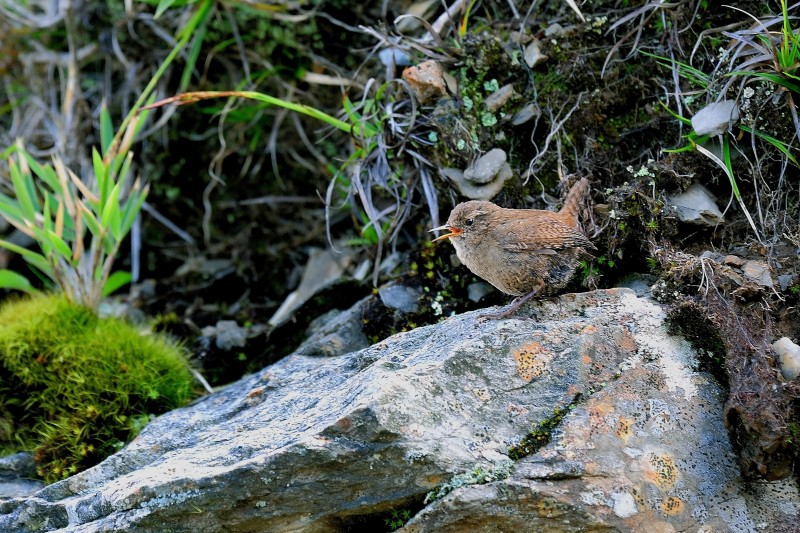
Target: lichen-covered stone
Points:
(316, 444)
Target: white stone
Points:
(788, 357)
(697, 206)
(716, 118)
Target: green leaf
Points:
(11, 280)
(10, 209)
(22, 192)
(101, 175)
(60, 246)
(116, 280)
(191, 60)
(106, 129)
(163, 5)
(126, 167)
(780, 145)
(111, 206)
(47, 221)
(37, 260)
(91, 222)
(674, 114)
(132, 208)
(44, 172)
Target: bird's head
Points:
(467, 221)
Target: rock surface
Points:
(16, 473)
(334, 443)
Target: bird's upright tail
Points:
(574, 201)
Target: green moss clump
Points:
(74, 387)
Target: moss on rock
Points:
(74, 387)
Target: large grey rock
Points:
(312, 444)
(16, 476)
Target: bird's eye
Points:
(470, 221)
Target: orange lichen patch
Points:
(435, 480)
(516, 410)
(586, 359)
(624, 428)
(343, 425)
(672, 506)
(591, 328)
(254, 396)
(598, 412)
(532, 360)
(626, 341)
(661, 470)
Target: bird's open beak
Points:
(452, 232)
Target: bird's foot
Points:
(510, 309)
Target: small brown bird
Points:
(522, 252)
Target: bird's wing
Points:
(544, 236)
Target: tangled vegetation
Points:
(313, 125)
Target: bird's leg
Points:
(513, 306)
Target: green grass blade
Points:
(12, 280)
(22, 191)
(10, 209)
(59, 245)
(193, 55)
(784, 148)
(47, 222)
(674, 114)
(106, 129)
(91, 222)
(163, 5)
(43, 172)
(35, 259)
(132, 209)
(118, 279)
(725, 164)
(111, 205)
(101, 175)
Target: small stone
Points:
(733, 260)
(714, 256)
(697, 206)
(427, 80)
(785, 281)
(484, 178)
(525, 114)
(389, 56)
(716, 118)
(477, 291)
(227, 334)
(399, 297)
(486, 167)
(534, 55)
(498, 99)
(758, 272)
(788, 357)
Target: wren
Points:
(522, 252)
